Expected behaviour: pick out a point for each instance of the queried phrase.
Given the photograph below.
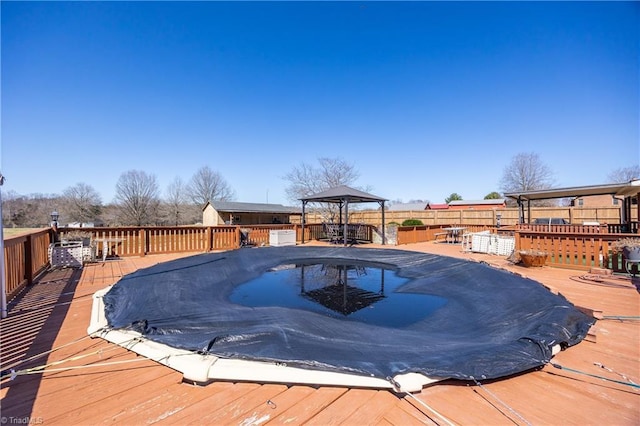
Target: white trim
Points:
(201, 369)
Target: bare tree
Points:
(624, 174)
(305, 180)
(526, 172)
(208, 185)
(178, 210)
(137, 198)
(29, 211)
(81, 203)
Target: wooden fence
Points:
(508, 215)
(567, 246)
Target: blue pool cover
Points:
(494, 323)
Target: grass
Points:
(12, 232)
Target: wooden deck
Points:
(112, 385)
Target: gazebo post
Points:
(638, 213)
(304, 203)
(384, 237)
(520, 210)
(346, 222)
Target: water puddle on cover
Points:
(353, 292)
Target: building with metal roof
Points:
(478, 204)
(237, 213)
(407, 207)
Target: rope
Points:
(42, 368)
(62, 361)
(397, 386)
(40, 355)
(424, 404)
(504, 404)
(622, 317)
(611, 370)
(15, 374)
(560, 367)
(604, 281)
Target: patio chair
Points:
(333, 233)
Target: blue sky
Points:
(423, 98)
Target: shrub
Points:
(412, 222)
(629, 242)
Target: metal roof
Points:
(407, 206)
(341, 193)
(437, 206)
(622, 189)
(497, 201)
(237, 207)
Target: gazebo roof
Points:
(341, 193)
(343, 298)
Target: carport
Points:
(628, 190)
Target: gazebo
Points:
(343, 195)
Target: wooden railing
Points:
(606, 228)
(618, 228)
(569, 229)
(140, 241)
(575, 250)
(25, 256)
(424, 233)
(568, 246)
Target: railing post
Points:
(28, 259)
(142, 235)
(207, 239)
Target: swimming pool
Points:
(456, 319)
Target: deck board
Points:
(310, 405)
(55, 312)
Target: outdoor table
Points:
(105, 245)
(453, 232)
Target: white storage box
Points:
(505, 245)
(284, 237)
(482, 242)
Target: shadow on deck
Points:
(28, 333)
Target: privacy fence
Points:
(508, 216)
